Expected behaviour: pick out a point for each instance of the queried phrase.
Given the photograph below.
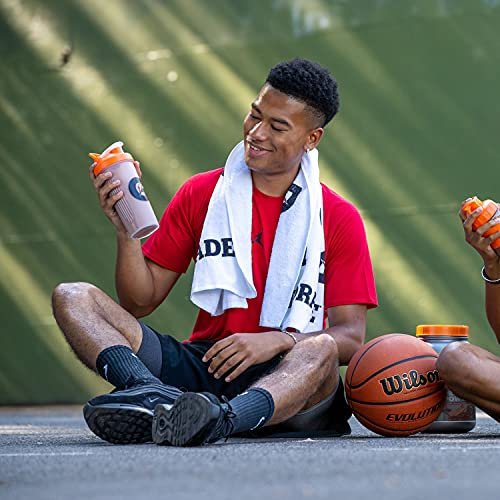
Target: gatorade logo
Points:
(136, 189)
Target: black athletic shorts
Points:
(180, 364)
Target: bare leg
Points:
(307, 375)
(473, 374)
(91, 321)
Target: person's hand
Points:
(109, 192)
(480, 243)
(231, 356)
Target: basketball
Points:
(393, 387)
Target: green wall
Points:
(416, 134)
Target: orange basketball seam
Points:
(422, 356)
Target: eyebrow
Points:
(279, 120)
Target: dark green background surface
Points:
(417, 132)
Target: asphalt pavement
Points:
(48, 453)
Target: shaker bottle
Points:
(490, 210)
(133, 208)
(457, 415)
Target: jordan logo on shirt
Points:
(258, 239)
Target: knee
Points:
(454, 363)
(323, 349)
(71, 296)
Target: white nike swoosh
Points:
(258, 423)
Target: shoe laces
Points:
(225, 426)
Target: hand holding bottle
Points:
(116, 178)
(481, 223)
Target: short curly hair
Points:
(309, 82)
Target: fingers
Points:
(219, 359)
(101, 179)
(108, 192)
(104, 188)
(235, 360)
(460, 214)
(227, 355)
(482, 245)
(462, 206)
(469, 221)
(216, 348)
(239, 370)
(493, 237)
(488, 225)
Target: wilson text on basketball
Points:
(411, 380)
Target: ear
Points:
(313, 138)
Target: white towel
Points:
(294, 291)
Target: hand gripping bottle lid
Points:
(134, 208)
(490, 210)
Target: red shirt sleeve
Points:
(175, 242)
(172, 244)
(348, 269)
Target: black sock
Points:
(120, 366)
(252, 409)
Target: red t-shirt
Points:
(348, 269)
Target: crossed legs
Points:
(92, 323)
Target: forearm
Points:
(133, 279)
(492, 296)
(493, 308)
(349, 339)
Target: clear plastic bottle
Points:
(458, 415)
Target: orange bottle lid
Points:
(111, 155)
(471, 205)
(442, 331)
(489, 210)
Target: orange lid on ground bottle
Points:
(442, 331)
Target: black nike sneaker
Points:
(194, 419)
(125, 417)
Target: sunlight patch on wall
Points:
(89, 84)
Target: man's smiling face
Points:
(276, 132)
